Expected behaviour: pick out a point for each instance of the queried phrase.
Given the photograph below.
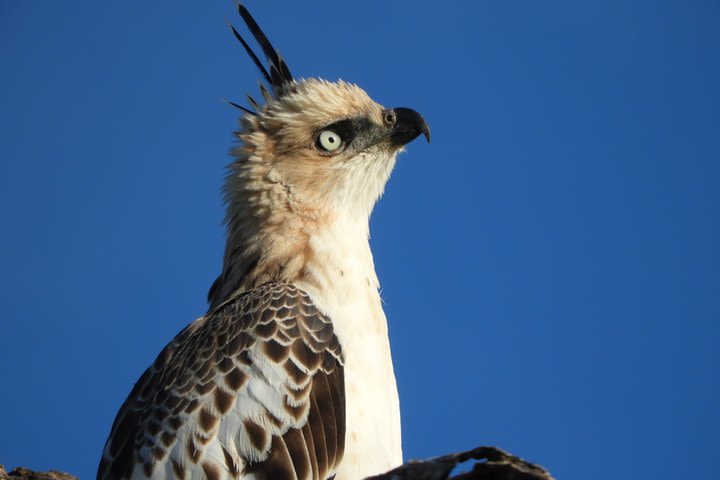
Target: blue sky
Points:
(549, 262)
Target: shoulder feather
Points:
(253, 389)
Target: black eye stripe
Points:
(348, 130)
(344, 129)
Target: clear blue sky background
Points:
(550, 263)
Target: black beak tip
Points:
(425, 131)
(409, 125)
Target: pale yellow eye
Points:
(329, 141)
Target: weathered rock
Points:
(22, 473)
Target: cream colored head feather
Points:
(314, 152)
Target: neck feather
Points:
(272, 236)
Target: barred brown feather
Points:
(253, 388)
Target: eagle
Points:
(289, 373)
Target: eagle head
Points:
(312, 153)
(328, 144)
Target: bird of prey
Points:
(289, 374)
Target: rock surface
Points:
(22, 473)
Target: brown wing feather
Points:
(209, 376)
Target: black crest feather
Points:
(240, 107)
(279, 74)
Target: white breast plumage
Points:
(345, 287)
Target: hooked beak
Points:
(406, 125)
